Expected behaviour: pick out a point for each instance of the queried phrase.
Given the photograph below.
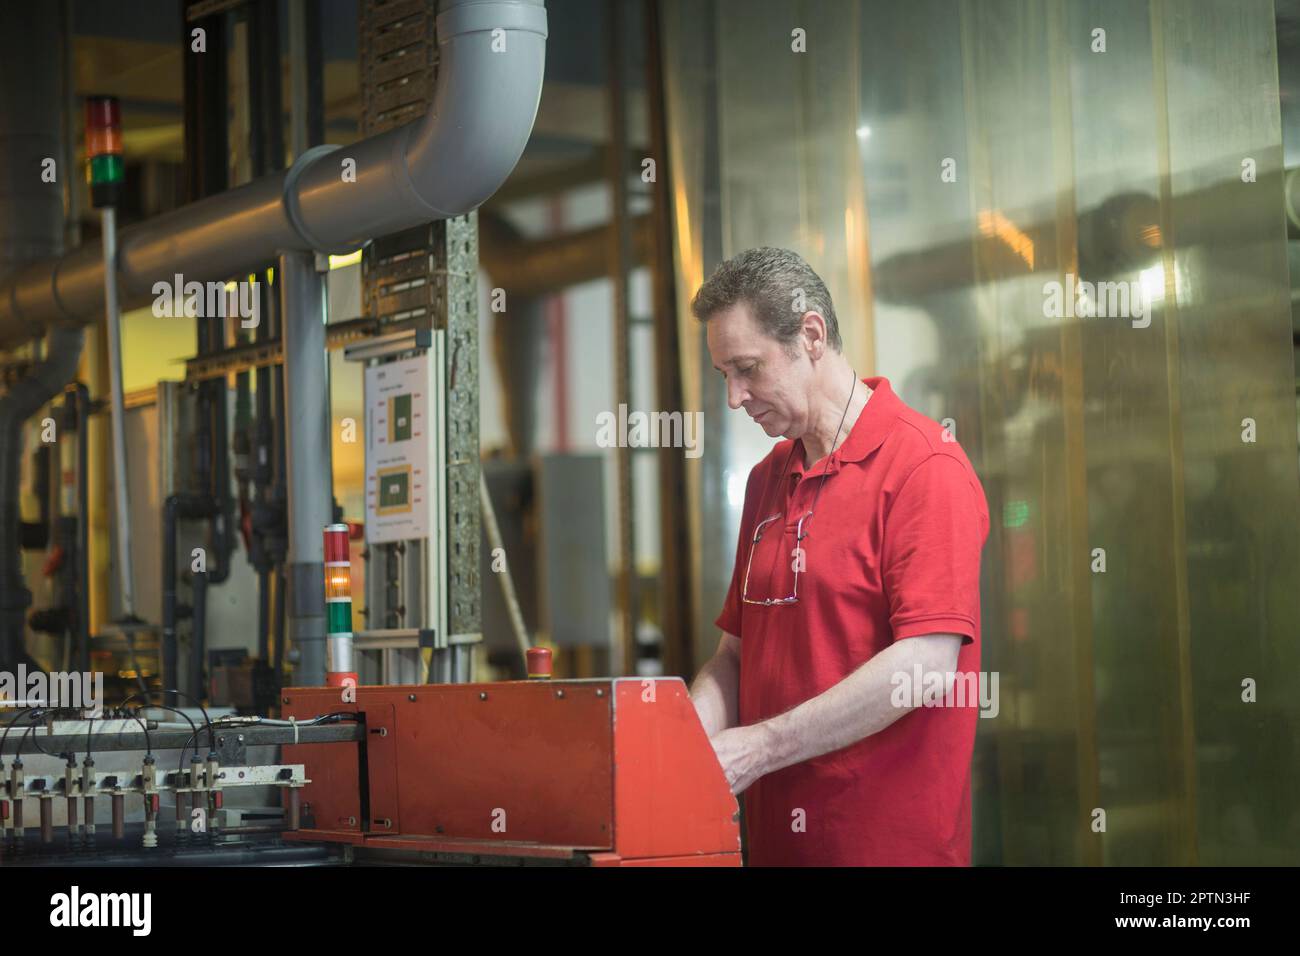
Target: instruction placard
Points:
(397, 450)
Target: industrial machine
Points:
(397, 753)
(607, 772)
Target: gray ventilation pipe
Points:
(492, 59)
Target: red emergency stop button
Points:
(539, 663)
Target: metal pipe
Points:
(198, 634)
(297, 77)
(174, 508)
(71, 578)
(619, 267)
(535, 267)
(281, 611)
(493, 532)
(83, 526)
(171, 508)
(311, 503)
(443, 165)
(264, 615)
(121, 492)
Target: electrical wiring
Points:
(31, 715)
(333, 717)
(23, 740)
(161, 707)
(8, 727)
(207, 721)
(148, 745)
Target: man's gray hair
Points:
(778, 285)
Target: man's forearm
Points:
(715, 692)
(858, 706)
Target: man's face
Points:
(762, 376)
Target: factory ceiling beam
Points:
(531, 267)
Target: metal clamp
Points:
(292, 207)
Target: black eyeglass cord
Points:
(827, 466)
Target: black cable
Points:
(5, 738)
(37, 741)
(206, 719)
(22, 740)
(161, 707)
(333, 717)
(148, 745)
(29, 714)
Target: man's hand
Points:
(743, 753)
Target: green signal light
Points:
(339, 617)
(106, 169)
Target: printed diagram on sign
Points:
(399, 418)
(394, 490)
(397, 450)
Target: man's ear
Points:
(814, 334)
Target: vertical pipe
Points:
(83, 526)
(298, 67)
(310, 484)
(198, 634)
(315, 76)
(120, 490)
(264, 615)
(171, 508)
(72, 224)
(557, 329)
(625, 648)
(676, 612)
(280, 606)
(508, 594)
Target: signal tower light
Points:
(338, 607)
(104, 167)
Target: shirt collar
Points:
(866, 435)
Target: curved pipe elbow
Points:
(493, 61)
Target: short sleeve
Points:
(934, 532)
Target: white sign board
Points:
(397, 450)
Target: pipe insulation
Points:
(492, 61)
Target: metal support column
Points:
(624, 658)
(311, 486)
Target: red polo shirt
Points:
(892, 552)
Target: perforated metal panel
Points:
(427, 278)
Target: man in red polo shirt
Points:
(857, 570)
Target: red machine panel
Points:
(618, 769)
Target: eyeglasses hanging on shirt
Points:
(801, 532)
